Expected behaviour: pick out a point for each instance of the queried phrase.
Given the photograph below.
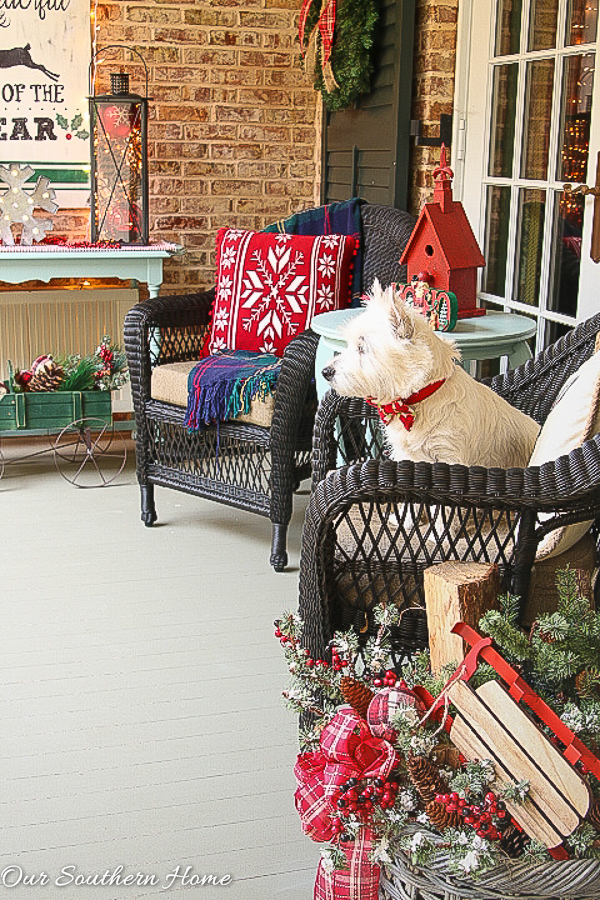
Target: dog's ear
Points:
(402, 318)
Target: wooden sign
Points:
(44, 120)
(491, 725)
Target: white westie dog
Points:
(432, 409)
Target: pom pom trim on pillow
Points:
(269, 286)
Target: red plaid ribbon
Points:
(348, 750)
(326, 27)
(360, 881)
(302, 24)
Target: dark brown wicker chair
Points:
(248, 466)
(373, 526)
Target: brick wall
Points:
(433, 87)
(233, 134)
(235, 129)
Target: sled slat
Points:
(491, 725)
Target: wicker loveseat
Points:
(255, 467)
(373, 525)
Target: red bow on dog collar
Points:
(403, 408)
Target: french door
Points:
(526, 124)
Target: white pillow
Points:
(575, 418)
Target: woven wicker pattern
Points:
(244, 465)
(386, 232)
(573, 879)
(374, 525)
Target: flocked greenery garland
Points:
(351, 55)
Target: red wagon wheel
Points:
(90, 453)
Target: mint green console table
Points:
(44, 262)
(483, 337)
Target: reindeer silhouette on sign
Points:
(20, 56)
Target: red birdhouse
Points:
(442, 249)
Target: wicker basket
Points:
(573, 879)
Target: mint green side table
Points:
(491, 336)
(44, 262)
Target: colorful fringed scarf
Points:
(222, 387)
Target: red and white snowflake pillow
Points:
(269, 286)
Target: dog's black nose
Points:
(328, 373)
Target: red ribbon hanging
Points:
(327, 27)
(359, 881)
(302, 24)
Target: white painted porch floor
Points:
(141, 723)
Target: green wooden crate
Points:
(53, 409)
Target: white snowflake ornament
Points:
(17, 205)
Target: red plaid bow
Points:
(403, 409)
(348, 750)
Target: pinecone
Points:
(513, 841)
(542, 635)
(426, 777)
(440, 817)
(587, 683)
(46, 376)
(357, 694)
(593, 815)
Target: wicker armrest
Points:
(182, 309)
(346, 431)
(295, 400)
(164, 330)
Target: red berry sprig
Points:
(389, 679)
(360, 798)
(337, 662)
(488, 818)
(293, 644)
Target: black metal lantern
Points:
(119, 157)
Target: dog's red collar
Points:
(403, 408)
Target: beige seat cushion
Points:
(170, 385)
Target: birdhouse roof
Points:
(454, 234)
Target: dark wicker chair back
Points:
(251, 467)
(373, 525)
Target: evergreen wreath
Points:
(351, 53)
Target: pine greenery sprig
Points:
(536, 853)
(474, 779)
(561, 645)
(80, 373)
(581, 842)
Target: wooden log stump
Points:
(456, 592)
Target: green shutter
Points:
(366, 148)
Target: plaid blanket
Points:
(222, 387)
(335, 218)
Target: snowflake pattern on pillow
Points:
(269, 286)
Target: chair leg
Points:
(279, 557)
(149, 516)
